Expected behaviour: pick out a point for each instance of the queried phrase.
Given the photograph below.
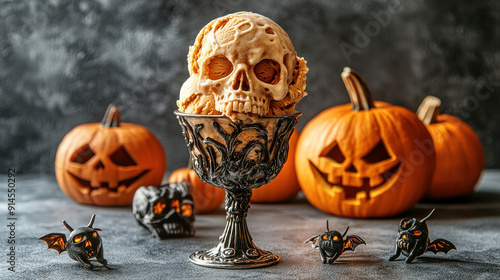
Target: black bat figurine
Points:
(83, 244)
(332, 244)
(413, 240)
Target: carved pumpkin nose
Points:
(404, 236)
(88, 243)
(351, 169)
(99, 165)
(241, 81)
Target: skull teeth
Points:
(242, 104)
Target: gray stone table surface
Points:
(472, 225)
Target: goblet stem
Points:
(236, 249)
(236, 236)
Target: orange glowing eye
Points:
(77, 238)
(158, 207)
(324, 237)
(187, 210)
(417, 232)
(94, 234)
(404, 236)
(335, 238)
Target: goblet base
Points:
(245, 261)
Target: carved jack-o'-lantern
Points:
(364, 159)
(104, 164)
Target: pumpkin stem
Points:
(428, 110)
(361, 98)
(111, 117)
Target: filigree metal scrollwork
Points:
(237, 156)
(227, 164)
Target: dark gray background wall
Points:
(62, 62)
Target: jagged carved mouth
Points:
(352, 191)
(85, 184)
(173, 229)
(403, 244)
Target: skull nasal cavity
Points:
(99, 165)
(241, 82)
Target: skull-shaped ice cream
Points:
(243, 65)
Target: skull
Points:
(247, 65)
(166, 211)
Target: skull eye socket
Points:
(333, 152)
(82, 155)
(406, 224)
(122, 158)
(218, 67)
(187, 210)
(267, 71)
(377, 154)
(417, 232)
(158, 207)
(77, 238)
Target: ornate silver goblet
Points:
(237, 157)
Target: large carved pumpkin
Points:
(459, 153)
(207, 198)
(285, 186)
(364, 159)
(104, 163)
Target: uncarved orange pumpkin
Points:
(364, 159)
(285, 186)
(207, 198)
(459, 153)
(105, 163)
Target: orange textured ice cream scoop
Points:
(243, 65)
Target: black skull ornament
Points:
(166, 211)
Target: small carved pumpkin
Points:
(207, 198)
(364, 159)
(459, 154)
(285, 186)
(105, 163)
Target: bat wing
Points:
(313, 240)
(352, 241)
(56, 241)
(441, 245)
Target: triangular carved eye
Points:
(82, 155)
(122, 158)
(333, 152)
(378, 153)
